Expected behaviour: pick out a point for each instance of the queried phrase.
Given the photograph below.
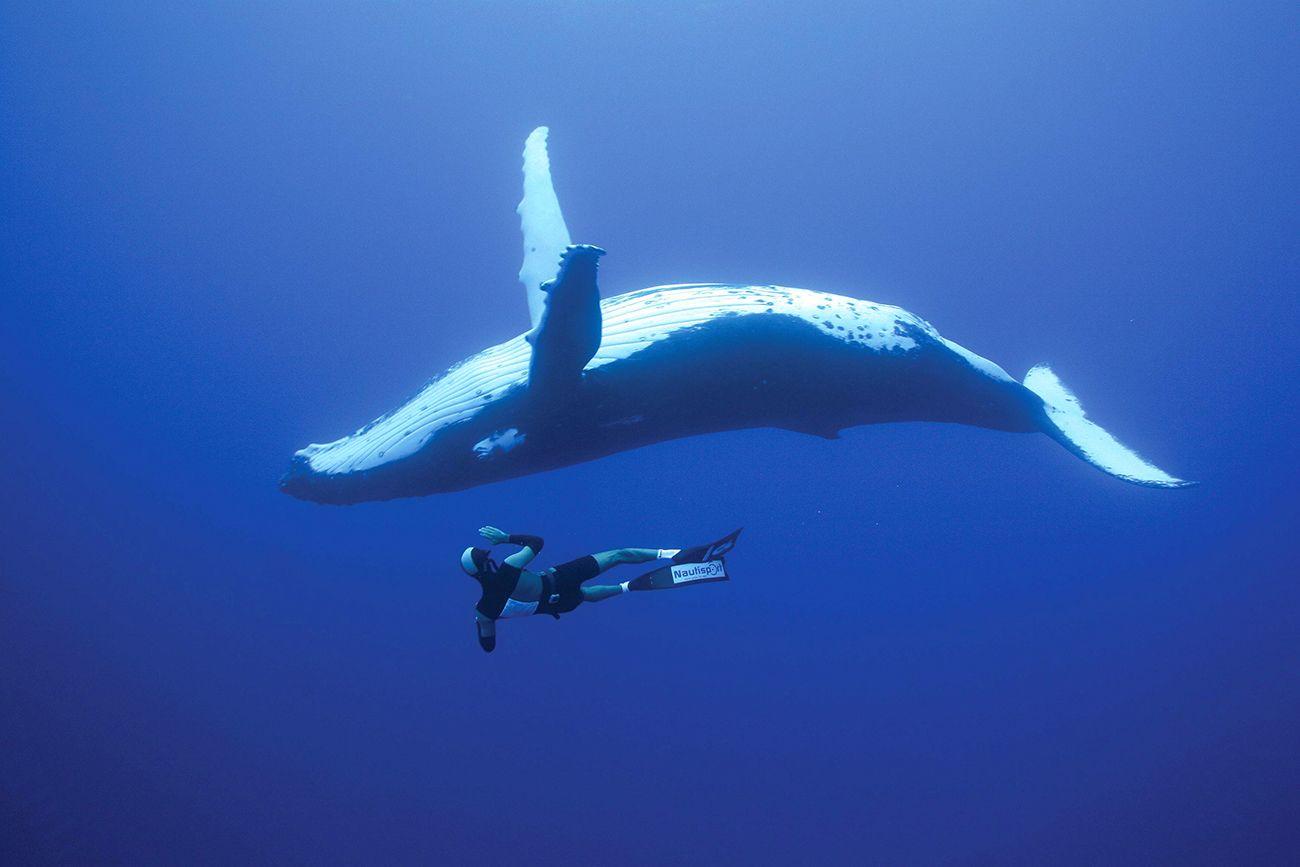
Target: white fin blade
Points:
(1073, 429)
(545, 235)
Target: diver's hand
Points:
(493, 535)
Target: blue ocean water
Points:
(229, 232)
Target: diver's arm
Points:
(531, 545)
(487, 632)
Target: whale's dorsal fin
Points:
(568, 333)
(545, 235)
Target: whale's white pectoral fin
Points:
(1068, 425)
(545, 235)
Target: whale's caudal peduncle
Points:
(592, 377)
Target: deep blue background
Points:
(228, 233)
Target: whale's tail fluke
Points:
(1066, 423)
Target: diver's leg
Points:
(609, 559)
(597, 592)
(586, 568)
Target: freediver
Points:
(510, 590)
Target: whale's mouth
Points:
(356, 467)
(368, 465)
(304, 483)
(293, 482)
(448, 401)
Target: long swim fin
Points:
(713, 551)
(703, 564)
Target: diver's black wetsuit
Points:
(498, 582)
(561, 585)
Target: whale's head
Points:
(460, 430)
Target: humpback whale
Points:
(595, 377)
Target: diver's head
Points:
(477, 562)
